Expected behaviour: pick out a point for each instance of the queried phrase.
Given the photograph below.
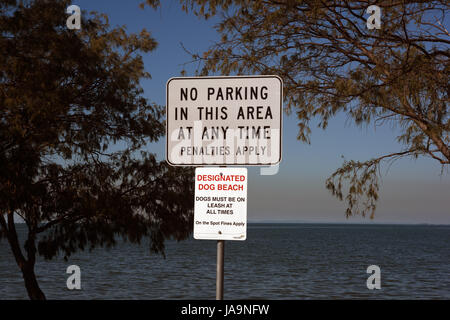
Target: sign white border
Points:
(224, 164)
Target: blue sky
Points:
(412, 191)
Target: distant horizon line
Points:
(290, 221)
(293, 221)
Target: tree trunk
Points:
(26, 266)
(34, 292)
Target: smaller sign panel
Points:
(220, 211)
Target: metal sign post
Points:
(220, 265)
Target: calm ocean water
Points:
(277, 261)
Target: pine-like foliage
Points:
(74, 131)
(331, 63)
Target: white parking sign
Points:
(224, 120)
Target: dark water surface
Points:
(277, 261)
